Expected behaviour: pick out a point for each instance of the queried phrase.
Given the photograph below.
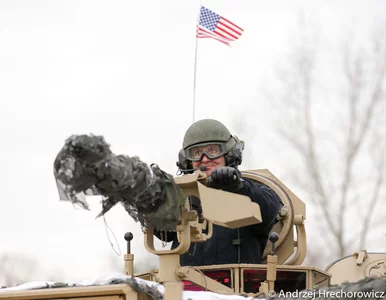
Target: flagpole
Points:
(195, 65)
(194, 80)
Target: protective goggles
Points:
(211, 150)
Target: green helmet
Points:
(209, 131)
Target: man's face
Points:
(210, 164)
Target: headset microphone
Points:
(202, 168)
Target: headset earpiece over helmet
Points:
(209, 132)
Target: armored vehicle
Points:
(281, 270)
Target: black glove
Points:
(225, 178)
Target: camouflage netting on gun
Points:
(86, 166)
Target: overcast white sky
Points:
(124, 69)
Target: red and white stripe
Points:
(228, 30)
(202, 32)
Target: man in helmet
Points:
(209, 145)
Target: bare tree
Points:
(336, 125)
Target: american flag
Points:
(212, 25)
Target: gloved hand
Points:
(225, 178)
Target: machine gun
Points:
(87, 163)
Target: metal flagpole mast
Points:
(195, 66)
(194, 81)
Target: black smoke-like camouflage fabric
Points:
(86, 166)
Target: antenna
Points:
(194, 81)
(195, 67)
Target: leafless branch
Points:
(354, 74)
(379, 162)
(333, 181)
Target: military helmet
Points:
(209, 133)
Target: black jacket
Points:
(240, 245)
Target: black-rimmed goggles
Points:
(211, 150)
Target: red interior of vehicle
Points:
(287, 281)
(222, 276)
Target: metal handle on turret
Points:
(273, 238)
(128, 237)
(272, 262)
(129, 258)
